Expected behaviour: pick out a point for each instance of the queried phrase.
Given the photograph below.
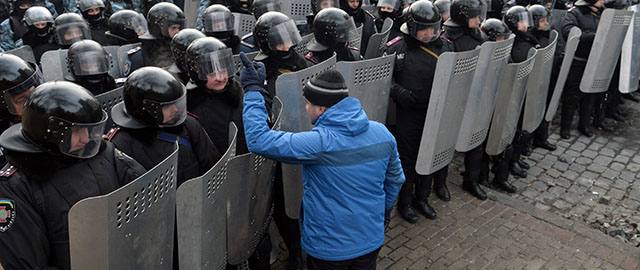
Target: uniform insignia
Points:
(134, 50)
(400, 56)
(110, 134)
(370, 15)
(7, 170)
(393, 41)
(445, 39)
(7, 214)
(309, 57)
(193, 115)
(127, 68)
(247, 44)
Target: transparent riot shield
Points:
(296, 9)
(191, 12)
(108, 100)
(123, 55)
(535, 102)
(130, 228)
(630, 59)
(605, 50)
(243, 23)
(492, 61)
(569, 52)
(249, 199)
(55, 67)
(370, 82)
(446, 107)
(508, 106)
(301, 48)
(25, 52)
(377, 42)
(201, 205)
(238, 63)
(295, 119)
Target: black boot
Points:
(440, 185)
(474, 189)
(408, 214)
(425, 209)
(565, 134)
(523, 164)
(546, 144)
(504, 186)
(585, 130)
(295, 258)
(605, 127)
(443, 193)
(517, 171)
(526, 150)
(483, 180)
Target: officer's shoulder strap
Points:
(370, 15)
(353, 48)
(446, 39)
(394, 41)
(309, 57)
(247, 44)
(7, 170)
(194, 115)
(111, 133)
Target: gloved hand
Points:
(387, 218)
(252, 75)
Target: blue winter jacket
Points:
(351, 173)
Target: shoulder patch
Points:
(370, 15)
(193, 115)
(394, 41)
(446, 39)
(246, 44)
(353, 48)
(134, 50)
(7, 170)
(110, 134)
(7, 214)
(309, 57)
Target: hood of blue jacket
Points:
(346, 117)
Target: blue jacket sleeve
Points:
(6, 36)
(288, 147)
(394, 180)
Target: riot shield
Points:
(108, 100)
(370, 82)
(605, 50)
(630, 59)
(249, 200)
(201, 205)
(123, 54)
(508, 106)
(130, 228)
(25, 52)
(296, 119)
(538, 86)
(238, 63)
(301, 48)
(296, 9)
(243, 23)
(191, 8)
(569, 52)
(377, 42)
(357, 40)
(492, 60)
(446, 107)
(55, 68)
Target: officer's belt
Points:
(173, 138)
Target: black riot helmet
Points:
(318, 5)
(396, 5)
(422, 21)
(85, 5)
(274, 29)
(58, 118)
(69, 28)
(19, 12)
(38, 14)
(207, 58)
(217, 19)
(539, 12)
(495, 29)
(16, 77)
(260, 7)
(444, 7)
(152, 97)
(88, 59)
(518, 18)
(331, 28)
(161, 18)
(126, 26)
(464, 10)
(179, 44)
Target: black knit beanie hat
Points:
(326, 89)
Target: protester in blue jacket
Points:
(351, 170)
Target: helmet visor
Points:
(388, 3)
(168, 114)
(543, 22)
(69, 33)
(218, 22)
(85, 5)
(346, 31)
(523, 20)
(137, 24)
(179, 22)
(217, 64)
(426, 32)
(36, 15)
(11, 96)
(90, 63)
(82, 140)
(283, 36)
(258, 10)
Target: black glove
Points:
(387, 218)
(252, 75)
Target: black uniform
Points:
(36, 236)
(413, 76)
(587, 20)
(98, 30)
(346, 54)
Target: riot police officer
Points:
(39, 35)
(17, 79)
(77, 164)
(153, 116)
(585, 15)
(258, 7)
(413, 74)
(94, 12)
(89, 64)
(126, 26)
(332, 30)
(463, 30)
(69, 28)
(179, 44)
(218, 23)
(165, 20)
(276, 35)
(444, 7)
(240, 6)
(12, 29)
(496, 30)
(316, 7)
(390, 9)
(362, 18)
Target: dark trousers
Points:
(288, 228)
(500, 167)
(608, 102)
(474, 164)
(364, 262)
(422, 184)
(572, 98)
